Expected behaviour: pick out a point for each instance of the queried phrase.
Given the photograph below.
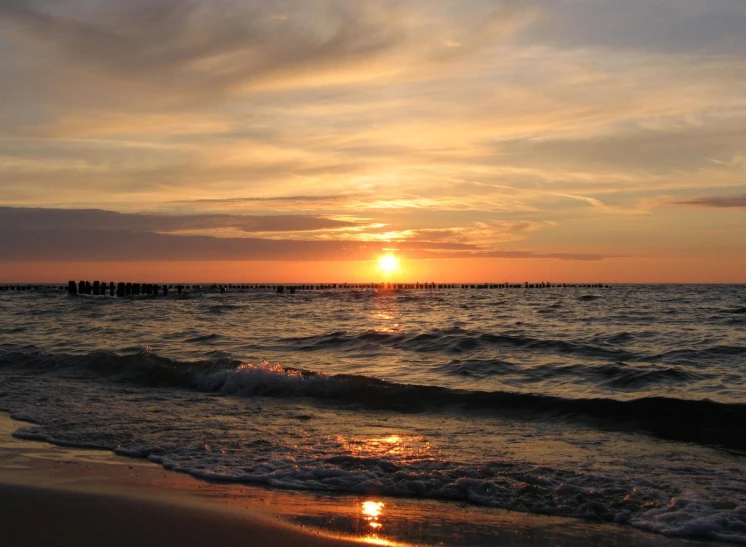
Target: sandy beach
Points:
(59, 496)
(55, 495)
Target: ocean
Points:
(623, 404)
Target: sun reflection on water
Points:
(372, 509)
(372, 512)
(406, 447)
(385, 316)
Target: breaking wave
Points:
(702, 421)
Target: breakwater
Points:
(122, 289)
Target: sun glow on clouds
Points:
(520, 129)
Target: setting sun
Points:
(388, 263)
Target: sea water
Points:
(624, 404)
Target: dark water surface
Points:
(623, 404)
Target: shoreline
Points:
(94, 497)
(89, 497)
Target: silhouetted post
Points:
(111, 288)
(165, 290)
(120, 290)
(72, 288)
(96, 288)
(81, 287)
(280, 289)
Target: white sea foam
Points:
(262, 378)
(690, 515)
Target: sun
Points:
(388, 263)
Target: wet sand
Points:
(54, 495)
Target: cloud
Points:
(36, 235)
(204, 46)
(680, 146)
(117, 245)
(82, 219)
(738, 202)
(670, 26)
(273, 202)
(201, 49)
(484, 233)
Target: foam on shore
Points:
(57, 495)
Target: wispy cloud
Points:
(484, 234)
(117, 246)
(82, 219)
(55, 234)
(738, 202)
(290, 199)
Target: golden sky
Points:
(299, 140)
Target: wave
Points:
(612, 375)
(702, 421)
(203, 338)
(695, 355)
(222, 308)
(452, 340)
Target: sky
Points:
(301, 140)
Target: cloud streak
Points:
(90, 235)
(81, 219)
(118, 246)
(726, 202)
